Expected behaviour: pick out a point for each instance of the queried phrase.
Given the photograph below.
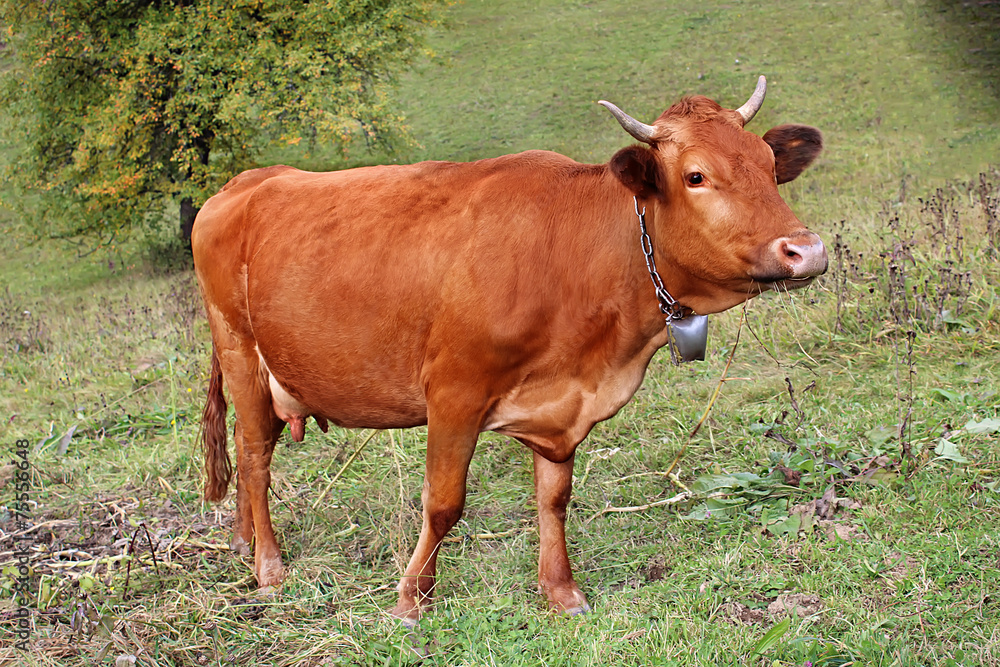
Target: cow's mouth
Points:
(782, 283)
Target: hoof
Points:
(578, 611)
(408, 623)
(271, 574)
(407, 615)
(565, 600)
(239, 546)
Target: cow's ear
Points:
(794, 148)
(638, 170)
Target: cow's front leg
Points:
(449, 450)
(553, 486)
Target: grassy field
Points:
(844, 492)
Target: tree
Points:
(116, 109)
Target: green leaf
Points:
(698, 513)
(947, 395)
(882, 475)
(787, 525)
(87, 583)
(880, 435)
(45, 594)
(709, 483)
(773, 635)
(45, 443)
(949, 450)
(991, 425)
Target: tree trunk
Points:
(188, 209)
(188, 212)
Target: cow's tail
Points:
(218, 468)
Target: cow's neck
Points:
(688, 338)
(610, 243)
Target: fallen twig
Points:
(103, 560)
(39, 526)
(679, 498)
(200, 544)
(484, 536)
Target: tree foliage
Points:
(115, 109)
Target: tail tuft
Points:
(218, 468)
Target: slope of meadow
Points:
(844, 491)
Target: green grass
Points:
(906, 571)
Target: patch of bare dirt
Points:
(798, 604)
(835, 530)
(902, 566)
(738, 613)
(826, 514)
(656, 568)
(786, 604)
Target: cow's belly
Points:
(350, 402)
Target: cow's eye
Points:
(695, 178)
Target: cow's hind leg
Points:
(243, 530)
(260, 431)
(243, 521)
(257, 430)
(553, 486)
(451, 442)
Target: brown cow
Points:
(508, 295)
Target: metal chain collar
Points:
(687, 333)
(668, 304)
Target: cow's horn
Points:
(750, 109)
(640, 131)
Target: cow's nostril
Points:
(792, 252)
(803, 257)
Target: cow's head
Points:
(721, 231)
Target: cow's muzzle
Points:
(794, 260)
